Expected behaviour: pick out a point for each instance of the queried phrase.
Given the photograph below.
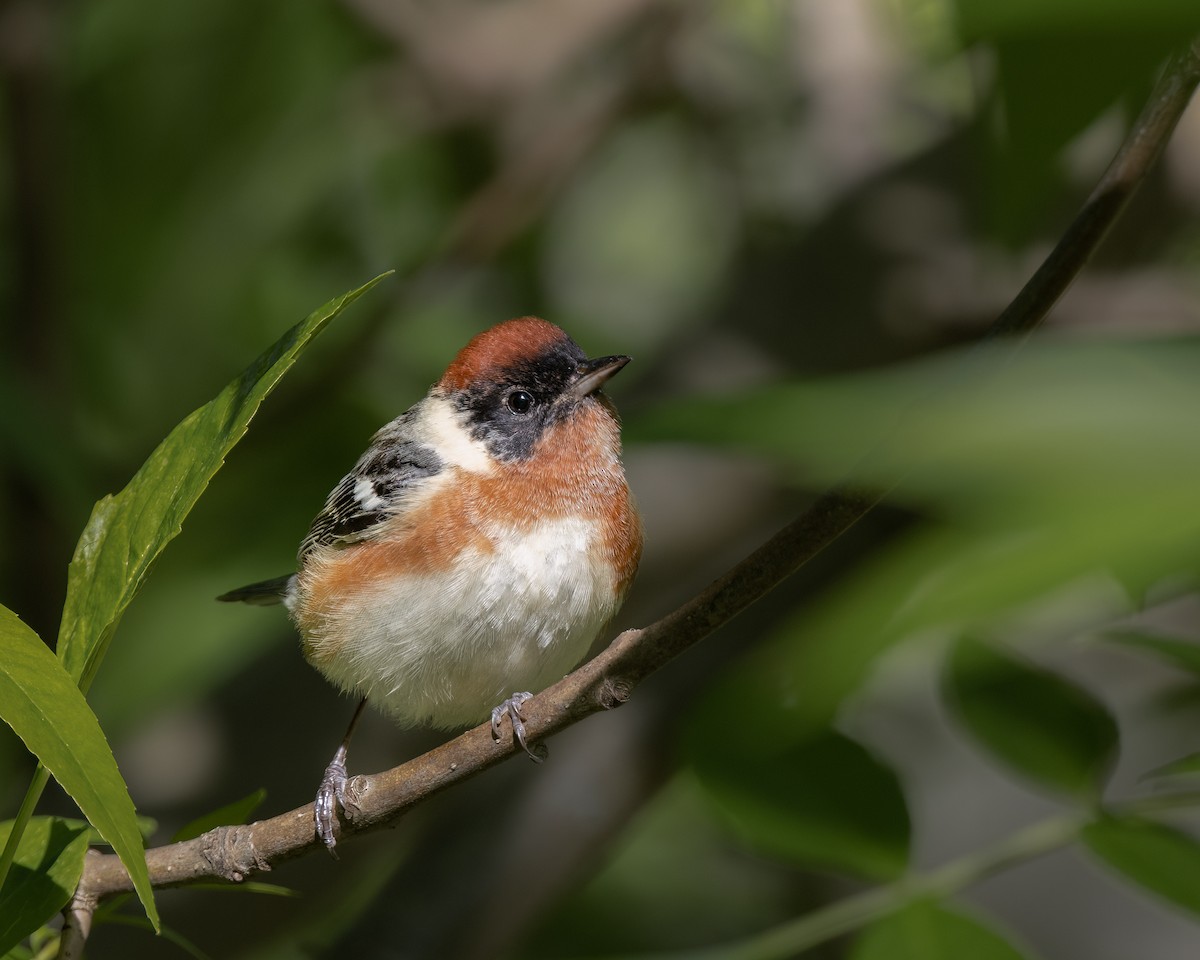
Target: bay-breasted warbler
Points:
(478, 547)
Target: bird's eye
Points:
(519, 402)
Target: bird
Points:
(481, 544)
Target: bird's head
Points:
(524, 384)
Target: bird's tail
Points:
(262, 594)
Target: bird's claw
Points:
(512, 708)
(332, 794)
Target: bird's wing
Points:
(378, 488)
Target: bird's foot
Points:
(512, 707)
(332, 794)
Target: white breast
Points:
(443, 650)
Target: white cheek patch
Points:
(439, 427)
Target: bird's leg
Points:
(512, 707)
(332, 792)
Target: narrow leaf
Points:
(1188, 766)
(127, 532)
(47, 867)
(48, 712)
(237, 812)
(927, 931)
(1183, 654)
(1162, 859)
(248, 886)
(825, 801)
(1039, 724)
(168, 933)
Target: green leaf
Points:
(825, 801)
(1162, 859)
(167, 933)
(147, 826)
(47, 867)
(1042, 726)
(247, 886)
(237, 812)
(1188, 766)
(127, 532)
(1184, 654)
(49, 713)
(124, 536)
(928, 931)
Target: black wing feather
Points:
(375, 489)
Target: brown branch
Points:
(234, 853)
(77, 922)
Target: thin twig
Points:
(234, 853)
(794, 937)
(851, 913)
(1142, 147)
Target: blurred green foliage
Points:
(926, 931)
(857, 822)
(1047, 729)
(1159, 857)
(747, 196)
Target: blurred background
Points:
(735, 192)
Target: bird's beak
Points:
(593, 374)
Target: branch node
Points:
(231, 853)
(613, 692)
(357, 788)
(632, 635)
